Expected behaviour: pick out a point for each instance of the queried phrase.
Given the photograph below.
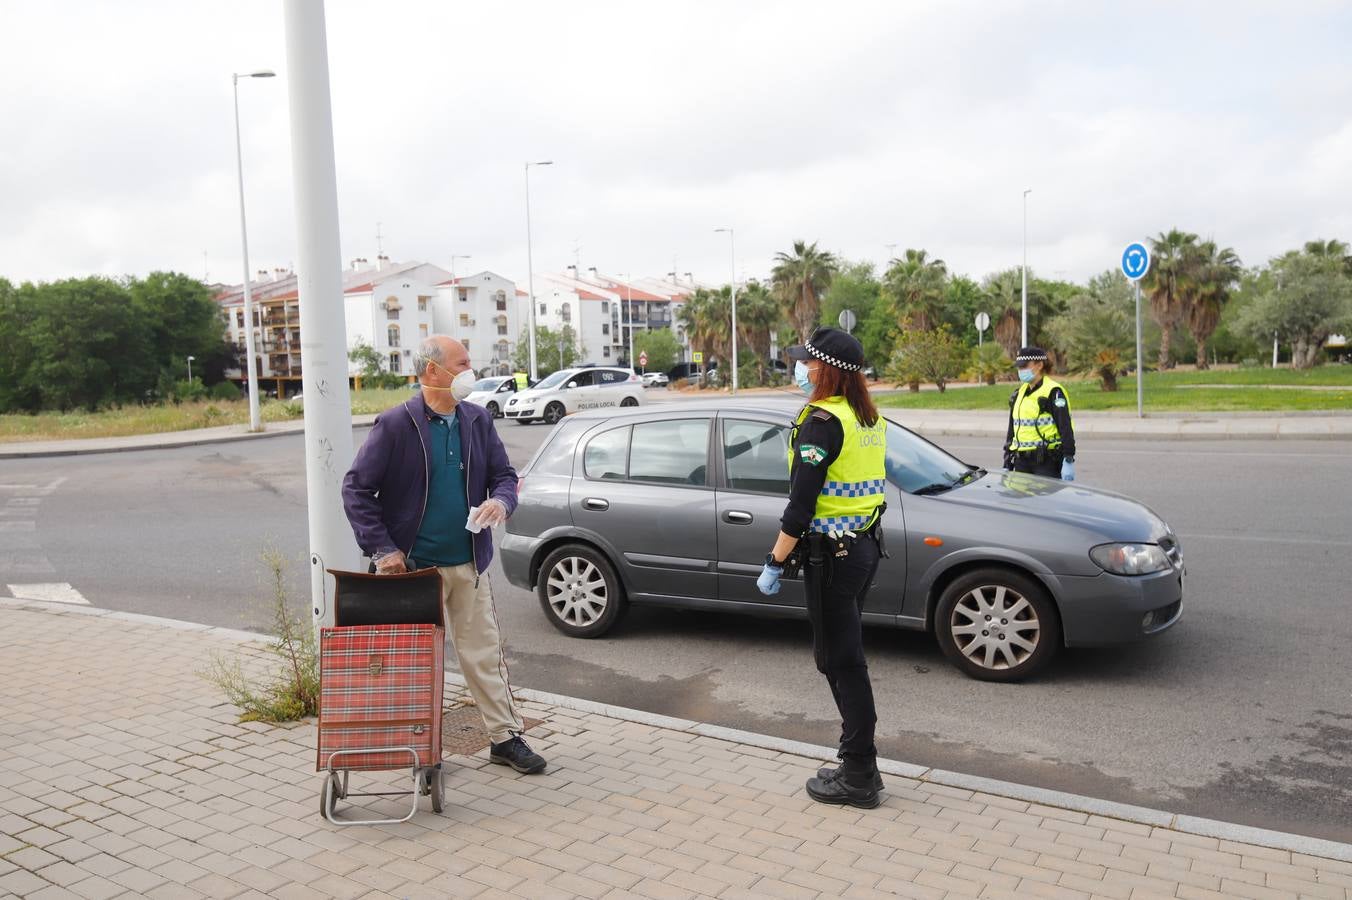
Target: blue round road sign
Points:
(1135, 261)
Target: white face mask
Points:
(461, 386)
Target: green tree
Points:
(988, 362)
(855, 287)
(1309, 299)
(934, 355)
(1003, 300)
(554, 350)
(707, 318)
(16, 350)
(661, 346)
(1168, 284)
(181, 320)
(800, 279)
(372, 366)
(1095, 333)
(1331, 249)
(1216, 271)
(963, 299)
(914, 284)
(759, 317)
(89, 346)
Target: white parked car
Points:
(493, 393)
(570, 390)
(655, 379)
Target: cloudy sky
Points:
(854, 124)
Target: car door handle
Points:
(738, 517)
(596, 504)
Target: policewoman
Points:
(1040, 439)
(831, 527)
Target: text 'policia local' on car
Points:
(573, 390)
(675, 508)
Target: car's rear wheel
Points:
(554, 412)
(629, 401)
(494, 410)
(580, 592)
(995, 624)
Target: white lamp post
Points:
(530, 274)
(255, 423)
(732, 244)
(190, 359)
(1025, 266)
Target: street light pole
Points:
(255, 423)
(1025, 265)
(732, 244)
(190, 359)
(530, 274)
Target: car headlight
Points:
(1130, 559)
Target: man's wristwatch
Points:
(771, 561)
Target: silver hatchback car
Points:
(677, 507)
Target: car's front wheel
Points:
(995, 624)
(579, 591)
(554, 412)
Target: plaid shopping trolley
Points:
(381, 670)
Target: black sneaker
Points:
(517, 754)
(826, 772)
(848, 786)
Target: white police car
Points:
(570, 390)
(493, 393)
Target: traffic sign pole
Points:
(1135, 263)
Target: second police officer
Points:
(831, 527)
(1040, 439)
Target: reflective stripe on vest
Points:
(1034, 429)
(856, 481)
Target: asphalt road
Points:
(1242, 712)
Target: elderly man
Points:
(408, 496)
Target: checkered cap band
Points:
(1031, 357)
(831, 360)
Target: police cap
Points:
(833, 347)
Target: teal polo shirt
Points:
(443, 539)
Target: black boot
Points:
(826, 772)
(855, 783)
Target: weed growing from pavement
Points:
(291, 691)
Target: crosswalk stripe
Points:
(58, 592)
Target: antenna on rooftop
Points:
(380, 246)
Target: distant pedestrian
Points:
(1040, 439)
(409, 496)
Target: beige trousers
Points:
(473, 624)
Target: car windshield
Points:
(554, 380)
(919, 467)
(488, 384)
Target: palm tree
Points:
(759, 316)
(915, 285)
(1331, 249)
(707, 319)
(800, 279)
(1172, 259)
(1215, 271)
(1004, 299)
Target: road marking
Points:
(59, 592)
(1090, 450)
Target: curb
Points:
(1186, 824)
(167, 441)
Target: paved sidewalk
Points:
(123, 774)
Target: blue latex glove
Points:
(1067, 470)
(768, 582)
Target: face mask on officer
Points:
(1026, 375)
(802, 377)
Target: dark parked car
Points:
(678, 508)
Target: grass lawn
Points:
(1236, 390)
(130, 420)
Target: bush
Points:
(224, 390)
(189, 391)
(383, 381)
(1250, 362)
(988, 363)
(293, 691)
(933, 355)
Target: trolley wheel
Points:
(328, 796)
(438, 790)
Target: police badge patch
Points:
(1060, 402)
(811, 454)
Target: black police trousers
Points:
(1046, 463)
(835, 598)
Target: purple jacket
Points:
(385, 492)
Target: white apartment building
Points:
(390, 307)
(603, 310)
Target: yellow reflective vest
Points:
(856, 481)
(1030, 411)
